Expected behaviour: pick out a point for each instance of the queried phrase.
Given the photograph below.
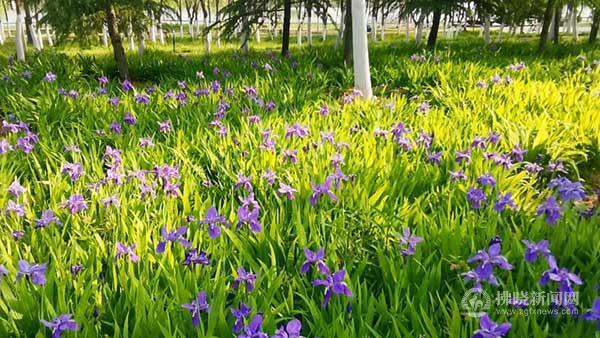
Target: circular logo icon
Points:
(475, 303)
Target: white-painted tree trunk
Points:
(360, 50)
(551, 29)
(373, 27)
(39, 36)
(382, 30)
(34, 37)
(407, 29)
(191, 30)
(141, 45)
(130, 36)
(574, 23)
(500, 31)
(207, 37)
(181, 29)
(324, 31)
(152, 32)
(245, 38)
(2, 37)
(257, 33)
(161, 34)
(486, 30)
(19, 38)
(104, 36)
(49, 36)
(309, 28)
(419, 31)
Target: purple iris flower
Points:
(482, 273)
(196, 307)
(5, 147)
(15, 208)
(458, 175)
(517, 153)
(76, 269)
(213, 220)
(286, 190)
(328, 137)
(479, 142)
(567, 190)
(165, 126)
(324, 110)
(124, 250)
(18, 234)
(244, 182)
(249, 217)
(503, 160)
(193, 257)
(463, 156)
(551, 210)
(563, 276)
(410, 240)
(504, 201)
(172, 236)
(46, 219)
(126, 85)
(322, 189)
(434, 157)
(316, 258)
(75, 204)
(103, 80)
(16, 189)
(269, 176)
(254, 329)
(557, 166)
(290, 155)
(338, 177)
(492, 256)
(535, 249)
(489, 329)
(33, 271)
(74, 170)
(334, 284)
(291, 330)
(50, 77)
(3, 272)
(146, 142)
(593, 314)
(244, 277)
(296, 130)
(476, 198)
(240, 314)
(486, 180)
(129, 119)
(60, 324)
(533, 168)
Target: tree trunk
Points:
(574, 23)
(407, 29)
(104, 36)
(309, 23)
(141, 44)
(382, 25)
(299, 31)
(419, 31)
(348, 33)
(362, 76)
(28, 21)
(245, 35)
(595, 26)
(49, 36)
(556, 35)
(486, 30)
(19, 32)
(437, 15)
(1, 33)
(287, 16)
(374, 24)
(546, 25)
(115, 39)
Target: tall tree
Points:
(362, 76)
(85, 18)
(595, 25)
(19, 32)
(287, 17)
(546, 24)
